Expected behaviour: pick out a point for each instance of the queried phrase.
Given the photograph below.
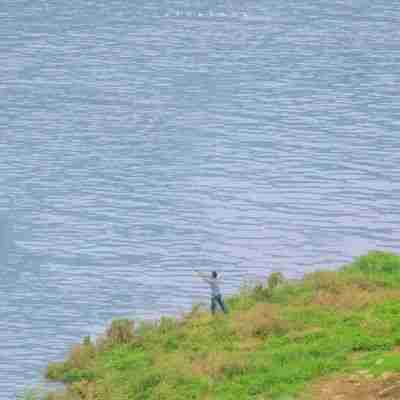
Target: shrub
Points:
(324, 280)
(260, 293)
(275, 279)
(56, 370)
(121, 331)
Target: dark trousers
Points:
(217, 300)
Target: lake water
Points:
(140, 139)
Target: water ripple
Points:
(139, 142)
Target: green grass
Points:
(278, 338)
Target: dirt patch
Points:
(360, 386)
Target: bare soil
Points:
(360, 386)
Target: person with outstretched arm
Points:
(216, 297)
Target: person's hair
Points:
(214, 274)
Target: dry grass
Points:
(81, 355)
(220, 363)
(351, 296)
(177, 363)
(164, 391)
(299, 335)
(68, 395)
(194, 313)
(212, 364)
(85, 390)
(260, 321)
(106, 390)
(249, 344)
(330, 289)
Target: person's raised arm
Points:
(202, 275)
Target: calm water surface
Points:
(141, 139)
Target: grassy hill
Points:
(332, 335)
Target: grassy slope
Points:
(275, 341)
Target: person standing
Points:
(216, 297)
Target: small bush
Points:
(260, 293)
(121, 331)
(324, 280)
(56, 370)
(275, 279)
